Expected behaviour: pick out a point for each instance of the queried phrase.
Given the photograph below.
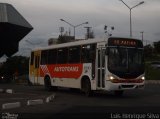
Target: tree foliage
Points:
(152, 52)
(14, 64)
(148, 51)
(157, 47)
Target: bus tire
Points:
(86, 87)
(119, 92)
(47, 83)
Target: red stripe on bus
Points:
(127, 81)
(63, 70)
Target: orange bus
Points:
(113, 64)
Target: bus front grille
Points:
(127, 86)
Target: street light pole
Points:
(74, 26)
(130, 8)
(142, 35)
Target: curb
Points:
(1, 90)
(11, 105)
(50, 98)
(29, 102)
(10, 91)
(34, 102)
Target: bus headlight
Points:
(143, 78)
(111, 78)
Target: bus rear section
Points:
(34, 67)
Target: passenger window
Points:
(88, 53)
(74, 54)
(44, 57)
(52, 56)
(62, 56)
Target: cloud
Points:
(157, 34)
(44, 16)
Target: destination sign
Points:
(124, 42)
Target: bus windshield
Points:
(125, 61)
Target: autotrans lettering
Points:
(66, 69)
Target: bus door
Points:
(36, 66)
(101, 67)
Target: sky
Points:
(45, 15)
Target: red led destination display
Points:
(124, 42)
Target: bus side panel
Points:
(31, 74)
(67, 75)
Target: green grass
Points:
(151, 73)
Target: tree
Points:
(14, 64)
(157, 47)
(65, 39)
(148, 51)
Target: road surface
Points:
(72, 103)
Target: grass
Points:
(151, 73)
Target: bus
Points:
(113, 64)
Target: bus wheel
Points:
(86, 87)
(47, 84)
(118, 92)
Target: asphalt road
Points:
(72, 104)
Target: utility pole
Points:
(130, 10)
(74, 26)
(88, 32)
(142, 35)
(61, 29)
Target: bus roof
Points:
(69, 44)
(79, 42)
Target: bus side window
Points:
(62, 57)
(74, 54)
(84, 54)
(88, 53)
(52, 56)
(32, 58)
(37, 62)
(44, 57)
(93, 52)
